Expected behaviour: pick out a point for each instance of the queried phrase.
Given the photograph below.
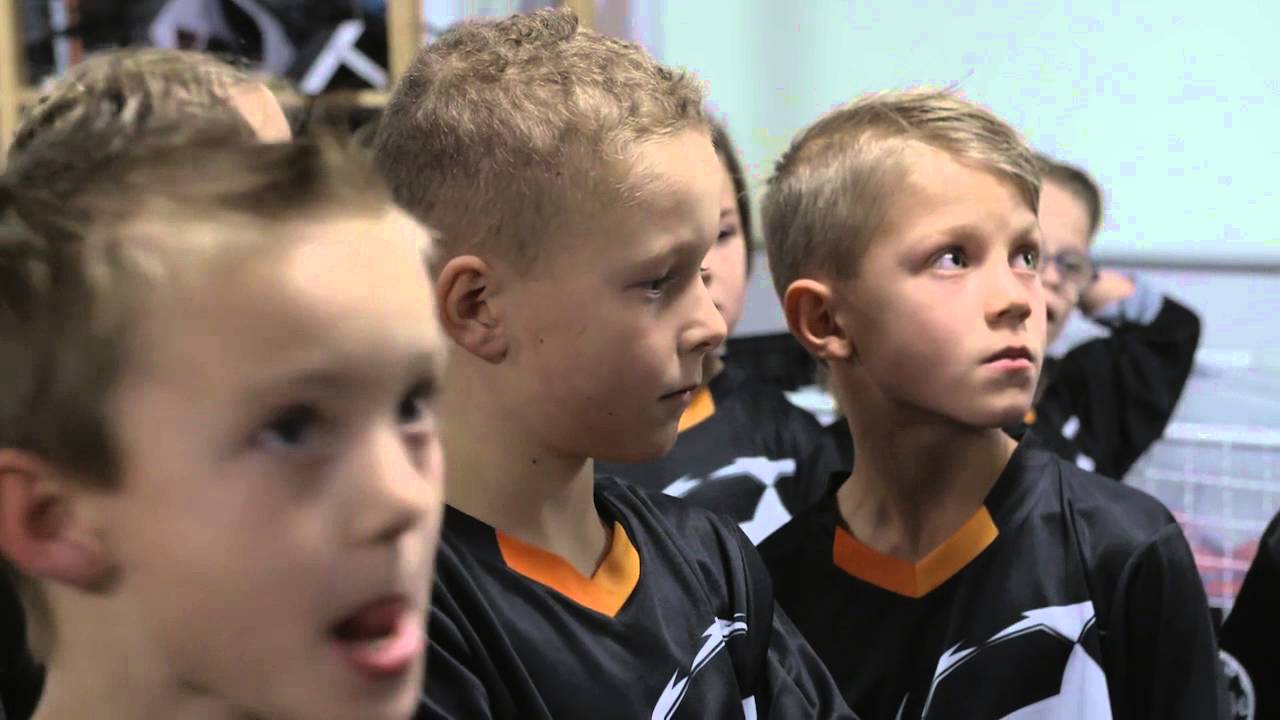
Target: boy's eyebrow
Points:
(969, 230)
(1031, 228)
(340, 377)
(680, 248)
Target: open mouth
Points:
(381, 638)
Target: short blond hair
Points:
(502, 133)
(826, 199)
(166, 80)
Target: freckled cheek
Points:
(575, 396)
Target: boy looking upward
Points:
(957, 567)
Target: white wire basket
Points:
(1218, 471)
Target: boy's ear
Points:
(464, 295)
(44, 529)
(811, 319)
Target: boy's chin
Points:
(396, 702)
(1007, 417)
(640, 447)
(1001, 416)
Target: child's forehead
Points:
(937, 174)
(936, 191)
(658, 169)
(924, 163)
(336, 281)
(183, 234)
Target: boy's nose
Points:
(396, 485)
(1008, 298)
(708, 329)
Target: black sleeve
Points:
(1251, 633)
(797, 685)
(472, 671)
(1158, 640)
(790, 681)
(21, 677)
(1123, 388)
(453, 689)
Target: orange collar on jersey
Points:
(606, 591)
(918, 580)
(701, 407)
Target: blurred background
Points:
(1173, 107)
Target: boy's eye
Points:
(415, 407)
(726, 233)
(292, 428)
(657, 285)
(952, 259)
(1027, 259)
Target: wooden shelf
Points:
(405, 34)
(12, 72)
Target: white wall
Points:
(1174, 106)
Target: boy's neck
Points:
(915, 484)
(506, 479)
(110, 672)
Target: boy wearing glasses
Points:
(1106, 401)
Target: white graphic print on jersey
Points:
(714, 638)
(770, 513)
(1080, 682)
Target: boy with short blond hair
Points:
(220, 485)
(957, 571)
(577, 191)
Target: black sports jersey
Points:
(678, 622)
(21, 679)
(1107, 400)
(744, 451)
(1251, 634)
(1065, 596)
